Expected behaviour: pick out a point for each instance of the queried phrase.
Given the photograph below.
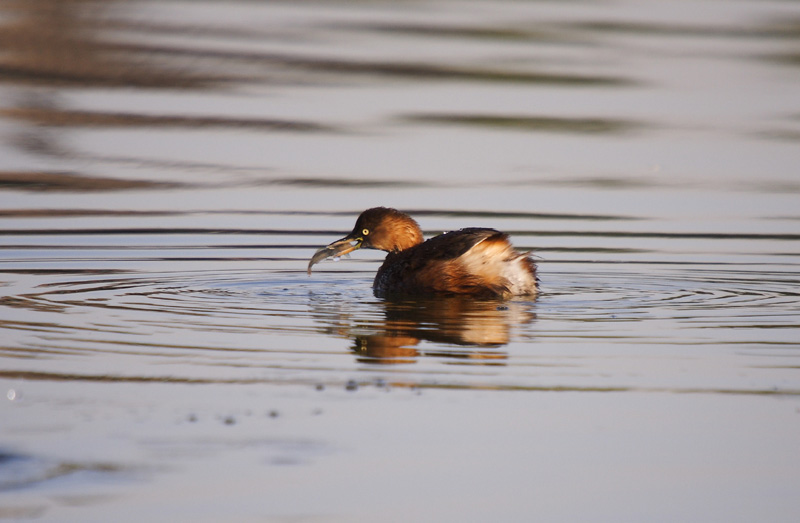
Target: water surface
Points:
(169, 168)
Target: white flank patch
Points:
(499, 262)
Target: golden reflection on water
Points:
(473, 325)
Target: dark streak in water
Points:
(160, 27)
(60, 118)
(340, 182)
(62, 271)
(68, 213)
(160, 231)
(73, 182)
(50, 213)
(784, 135)
(410, 70)
(155, 247)
(686, 235)
(529, 123)
(511, 214)
(53, 376)
(566, 388)
(785, 29)
(576, 31)
(461, 31)
(318, 232)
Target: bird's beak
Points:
(338, 248)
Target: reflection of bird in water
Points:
(476, 327)
(473, 262)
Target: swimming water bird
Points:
(471, 262)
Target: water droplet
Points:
(11, 395)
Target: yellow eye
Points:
(365, 232)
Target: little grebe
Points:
(472, 262)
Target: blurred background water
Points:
(168, 168)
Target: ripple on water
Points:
(251, 326)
